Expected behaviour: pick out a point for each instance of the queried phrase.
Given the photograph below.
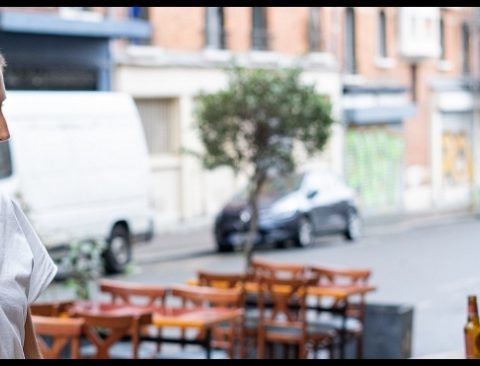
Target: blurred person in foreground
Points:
(26, 269)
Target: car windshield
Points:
(275, 187)
(281, 185)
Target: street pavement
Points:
(429, 263)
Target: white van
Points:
(78, 164)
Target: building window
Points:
(259, 31)
(465, 48)
(140, 13)
(25, 77)
(442, 39)
(350, 57)
(214, 27)
(382, 35)
(314, 29)
(160, 123)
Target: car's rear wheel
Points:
(305, 235)
(354, 226)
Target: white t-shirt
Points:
(26, 270)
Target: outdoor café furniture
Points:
(340, 293)
(220, 280)
(232, 280)
(201, 317)
(225, 334)
(277, 269)
(61, 332)
(50, 308)
(105, 324)
(355, 311)
(279, 323)
(131, 293)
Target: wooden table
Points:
(141, 316)
(200, 318)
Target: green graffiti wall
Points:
(373, 164)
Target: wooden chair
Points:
(282, 319)
(250, 319)
(113, 328)
(61, 331)
(130, 293)
(138, 294)
(54, 308)
(259, 267)
(223, 336)
(220, 280)
(327, 276)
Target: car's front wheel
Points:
(305, 235)
(354, 226)
(224, 247)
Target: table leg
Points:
(343, 331)
(208, 342)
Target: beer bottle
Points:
(472, 329)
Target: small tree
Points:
(253, 125)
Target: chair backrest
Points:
(282, 301)
(338, 275)
(103, 331)
(220, 280)
(325, 275)
(54, 308)
(260, 267)
(61, 331)
(208, 296)
(126, 292)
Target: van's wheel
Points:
(305, 235)
(119, 250)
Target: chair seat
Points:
(283, 333)
(333, 325)
(251, 319)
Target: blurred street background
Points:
(403, 83)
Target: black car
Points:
(294, 207)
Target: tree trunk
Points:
(253, 229)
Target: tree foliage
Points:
(254, 124)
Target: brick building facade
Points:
(407, 118)
(401, 145)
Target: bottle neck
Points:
(473, 311)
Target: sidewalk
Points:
(393, 223)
